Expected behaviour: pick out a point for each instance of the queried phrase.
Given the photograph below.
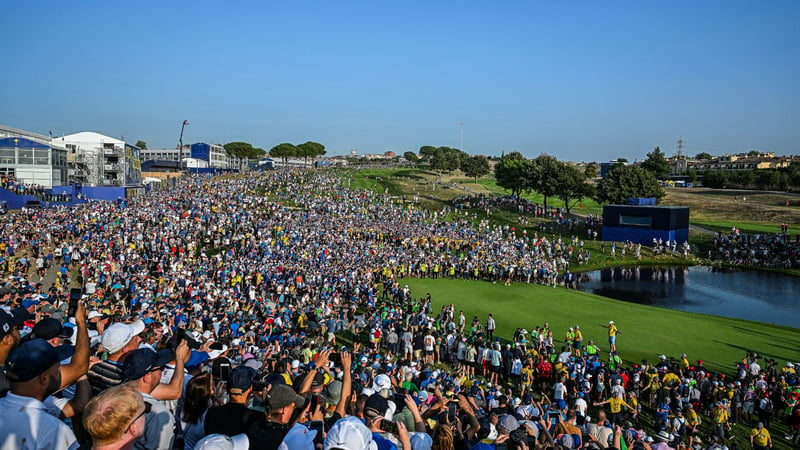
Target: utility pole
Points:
(462, 136)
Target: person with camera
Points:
(235, 417)
(375, 410)
(280, 402)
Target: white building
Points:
(32, 158)
(98, 160)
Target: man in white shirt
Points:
(33, 370)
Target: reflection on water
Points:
(752, 295)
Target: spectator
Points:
(235, 417)
(32, 369)
(280, 403)
(116, 418)
(143, 368)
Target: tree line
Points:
(553, 178)
(767, 179)
(305, 150)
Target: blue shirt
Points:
(383, 443)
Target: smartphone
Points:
(553, 416)
(452, 411)
(320, 427)
(75, 295)
(400, 399)
(224, 371)
(387, 426)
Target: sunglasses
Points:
(147, 409)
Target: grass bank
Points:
(647, 331)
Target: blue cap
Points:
(241, 378)
(196, 359)
(27, 303)
(32, 358)
(141, 361)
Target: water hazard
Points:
(761, 296)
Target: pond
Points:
(752, 295)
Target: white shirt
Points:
(26, 424)
(559, 390)
(580, 405)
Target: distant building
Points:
(98, 160)
(33, 162)
(682, 165)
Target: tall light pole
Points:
(462, 137)
(180, 142)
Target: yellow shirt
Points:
(615, 404)
(760, 437)
(612, 330)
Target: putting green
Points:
(646, 331)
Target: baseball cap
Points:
(50, 328)
(95, 314)
(27, 303)
(382, 382)
(141, 361)
(508, 423)
(421, 441)
(32, 358)
(349, 433)
(223, 442)
(299, 437)
(281, 396)
(333, 392)
(9, 320)
(118, 335)
(376, 406)
(241, 379)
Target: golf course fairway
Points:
(647, 331)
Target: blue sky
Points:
(582, 80)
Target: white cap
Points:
(214, 354)
(223, 442)
(295, 364)
(93, 314)
(349, 433)
(382, 382)
(118, 335)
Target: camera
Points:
(388, 426)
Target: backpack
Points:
(765, 405)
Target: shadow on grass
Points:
(749, 349)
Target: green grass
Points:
(744, 227)
(589, 206)
(647, 331)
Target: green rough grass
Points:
(647, 331)
(589, 206)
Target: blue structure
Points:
(642, 224)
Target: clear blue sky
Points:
(582, 80)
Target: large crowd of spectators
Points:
(776, 251)
(207, 316)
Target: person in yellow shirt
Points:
(615, 403)
(760, 438)
(578, 340)
(612, 334)
(720, 418)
